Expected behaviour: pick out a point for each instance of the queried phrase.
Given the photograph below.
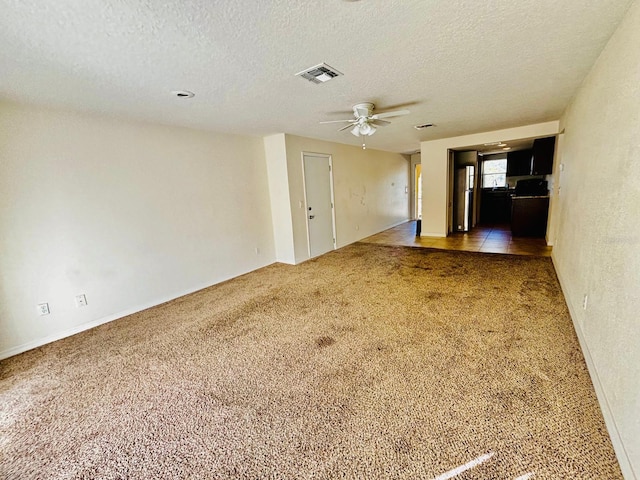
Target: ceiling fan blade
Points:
(340, 121)
(380, 123)
(345, 127)
(395, 113)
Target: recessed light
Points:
(507, 148)
(502, 144)
(183, 94)
(492, 144)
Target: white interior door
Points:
(319, 203)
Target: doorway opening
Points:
(418, 192)
(464, 204)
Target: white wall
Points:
(597, 251)
(435, 159)
(277, 170)
(369, 190)
(130, 214)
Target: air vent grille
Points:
(424, 125)
(320, 73)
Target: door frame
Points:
(329, 157)
(450, 185)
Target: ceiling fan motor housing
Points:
(363, 109)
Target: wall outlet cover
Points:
(81, 301)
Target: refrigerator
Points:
(463, 199)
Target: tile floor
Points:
(488, 239)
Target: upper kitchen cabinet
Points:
(542, 163)
(519, 163)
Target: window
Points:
(494, 173)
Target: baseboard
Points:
(342, 245)
(609, 420)
(72, 331)
(432, 234)
(10, 352)
(391, 225)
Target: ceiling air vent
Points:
(424, 125)
(320, 73)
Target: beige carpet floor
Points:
(369, 362)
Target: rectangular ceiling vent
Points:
(320, 73)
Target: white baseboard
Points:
(72, 331)
(609, 420)
(10, 352)
(407, 220)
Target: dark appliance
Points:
(533, 187)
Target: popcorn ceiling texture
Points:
(466, 66)
(368, 362)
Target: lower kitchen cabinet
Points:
(529, 216)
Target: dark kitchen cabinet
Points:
(495, 206)
(519, 163)
(543, 149)
(529, 216)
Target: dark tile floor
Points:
(485, 238)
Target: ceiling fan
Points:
(365, 122)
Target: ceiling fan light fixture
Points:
(367, 129)
(356, 130)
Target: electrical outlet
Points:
(257, 250)
(585, 301)
(81, 300)
(43, 309)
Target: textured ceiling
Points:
(464, 66)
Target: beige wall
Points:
(130, 214)
(369, 190)
(435, 168)
(277, 171)
(597, 251)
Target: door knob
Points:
(311, 217)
